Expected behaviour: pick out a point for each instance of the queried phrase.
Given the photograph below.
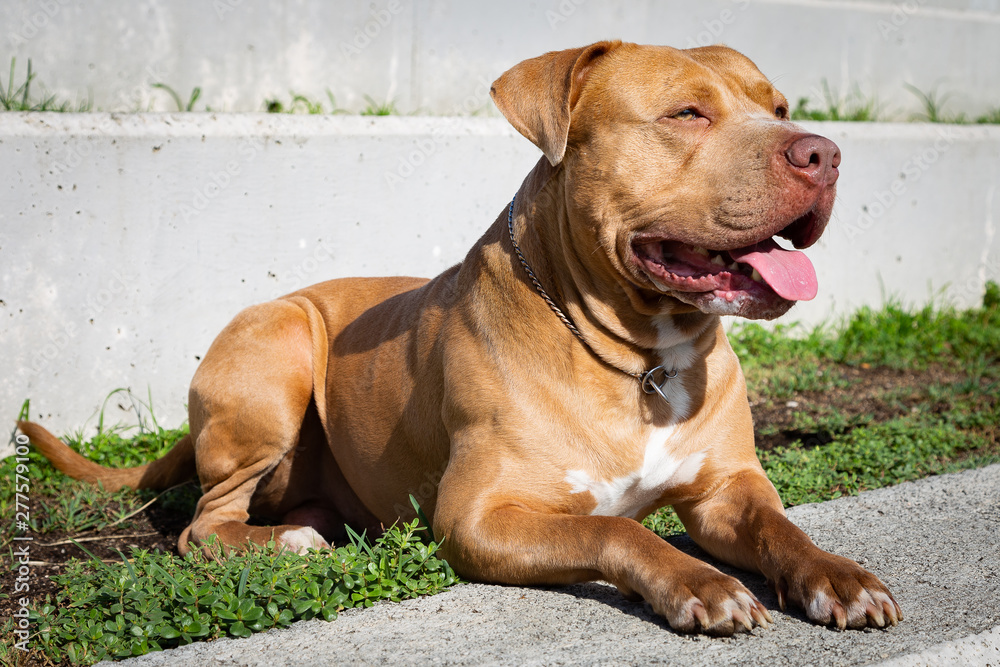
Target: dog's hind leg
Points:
(247, 404)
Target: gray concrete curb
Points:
(982, 649)
(935, 542)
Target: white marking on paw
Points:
(731, 606)
(881, 598)
(629, 494)
(302, 539)
(883, 602)
(742, 602)
(685, 615)
(820, 607)
(857, 610)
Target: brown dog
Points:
(568, 378)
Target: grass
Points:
(893, 336)
(872, 457)
(387, 108)
(853, 107)
(21, 98)
(990, 117)
(847, 433)
(858, 107)
(76, 507)
(302, 104)
(933, 109)
(181, 105)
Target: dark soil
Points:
(152, 529)
(862, 395)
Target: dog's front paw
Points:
(835, 590)
(711, 602)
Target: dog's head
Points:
(680, 168)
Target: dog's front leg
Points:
(743, 523)
(510, 543)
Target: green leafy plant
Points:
(149, 602)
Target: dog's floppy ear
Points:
(537, 95)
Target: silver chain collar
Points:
(650, 380)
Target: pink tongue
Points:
(789, 272)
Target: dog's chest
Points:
(664, 464)
(626, 495)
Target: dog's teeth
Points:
(718, 261)
(756, 276)
(734, 267)
(701, 251)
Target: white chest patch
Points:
(629, 494)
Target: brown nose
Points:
(815, 157)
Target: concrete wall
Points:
(432, 56)
(128, 241)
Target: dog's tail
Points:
(174, 467)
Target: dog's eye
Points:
(781, 112)
(687, 114)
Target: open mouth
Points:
(761, 270)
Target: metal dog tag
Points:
(650, 385)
